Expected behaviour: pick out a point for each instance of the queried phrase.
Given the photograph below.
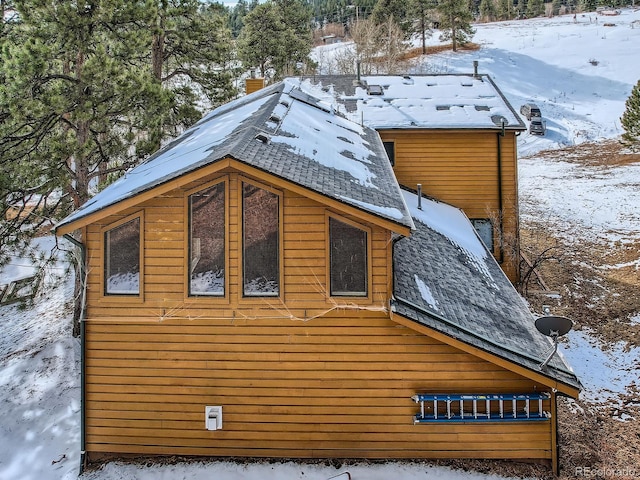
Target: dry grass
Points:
(601, 299)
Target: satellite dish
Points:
(553, 327)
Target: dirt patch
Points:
(598, 286)
(606, 153)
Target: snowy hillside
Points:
(579, 73)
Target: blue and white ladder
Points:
(480, 408)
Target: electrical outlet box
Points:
(213, 417)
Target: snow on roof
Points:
(286, 132)
(181, 155)
(445, 278)
(421, 101)
(307, 135)
(453, 224)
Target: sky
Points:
(547, 61)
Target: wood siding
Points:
(303, 292)
(302, 375)
(461, 168)
(337, 386)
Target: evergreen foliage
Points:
(630, 119)
(276, 38)
(399, 10)
(505, 10)
(535, 8)
(237, 14)
(455, 22)
(423, 11)
(488, 10)
(88, 88)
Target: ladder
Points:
(480, 408)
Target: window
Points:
(260, 242)
(122, 259)
(348, 259)
(390, 148)
(207, 241)
(485, 230)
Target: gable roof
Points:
(285, 132)
(453, 101)
(445, 279)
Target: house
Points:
(264, 287)
(453, 134)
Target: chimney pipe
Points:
(475, 69)
(419, 196)
(358, 70)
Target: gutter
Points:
(82, 273)
(500, 199)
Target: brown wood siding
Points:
(303, 293)
(461, 168)
(303, 375)
(337, 386)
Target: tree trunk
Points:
(424, 36)
(80, 196)
(453, 34)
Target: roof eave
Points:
(539, 376)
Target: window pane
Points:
(207, 241)
(485, 231)
(122, 245)
(390, 148)
(348, 252)
(260, 241)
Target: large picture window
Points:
(260, 241)
(207, 241)
(122, 259)
(348, 259)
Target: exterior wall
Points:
(165, 234)
(253, 85)
(461, 168)
(337, 386)
(300, 376)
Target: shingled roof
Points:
(285, 132)
(445, 279)
(451, 101)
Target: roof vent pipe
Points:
(419, 196)
(475, 69)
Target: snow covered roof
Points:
(420, 101)
(285, 132)
(446, 279)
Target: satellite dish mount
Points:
(554, 327)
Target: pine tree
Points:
(400, 10)
(488, 10)
(535, 8)
(455, 22)
(505, 9)
(422, 9)
(276, 38)
(630, 119)
(190, 55)
(95, 86)
(522, 8)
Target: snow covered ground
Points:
(579, 73)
